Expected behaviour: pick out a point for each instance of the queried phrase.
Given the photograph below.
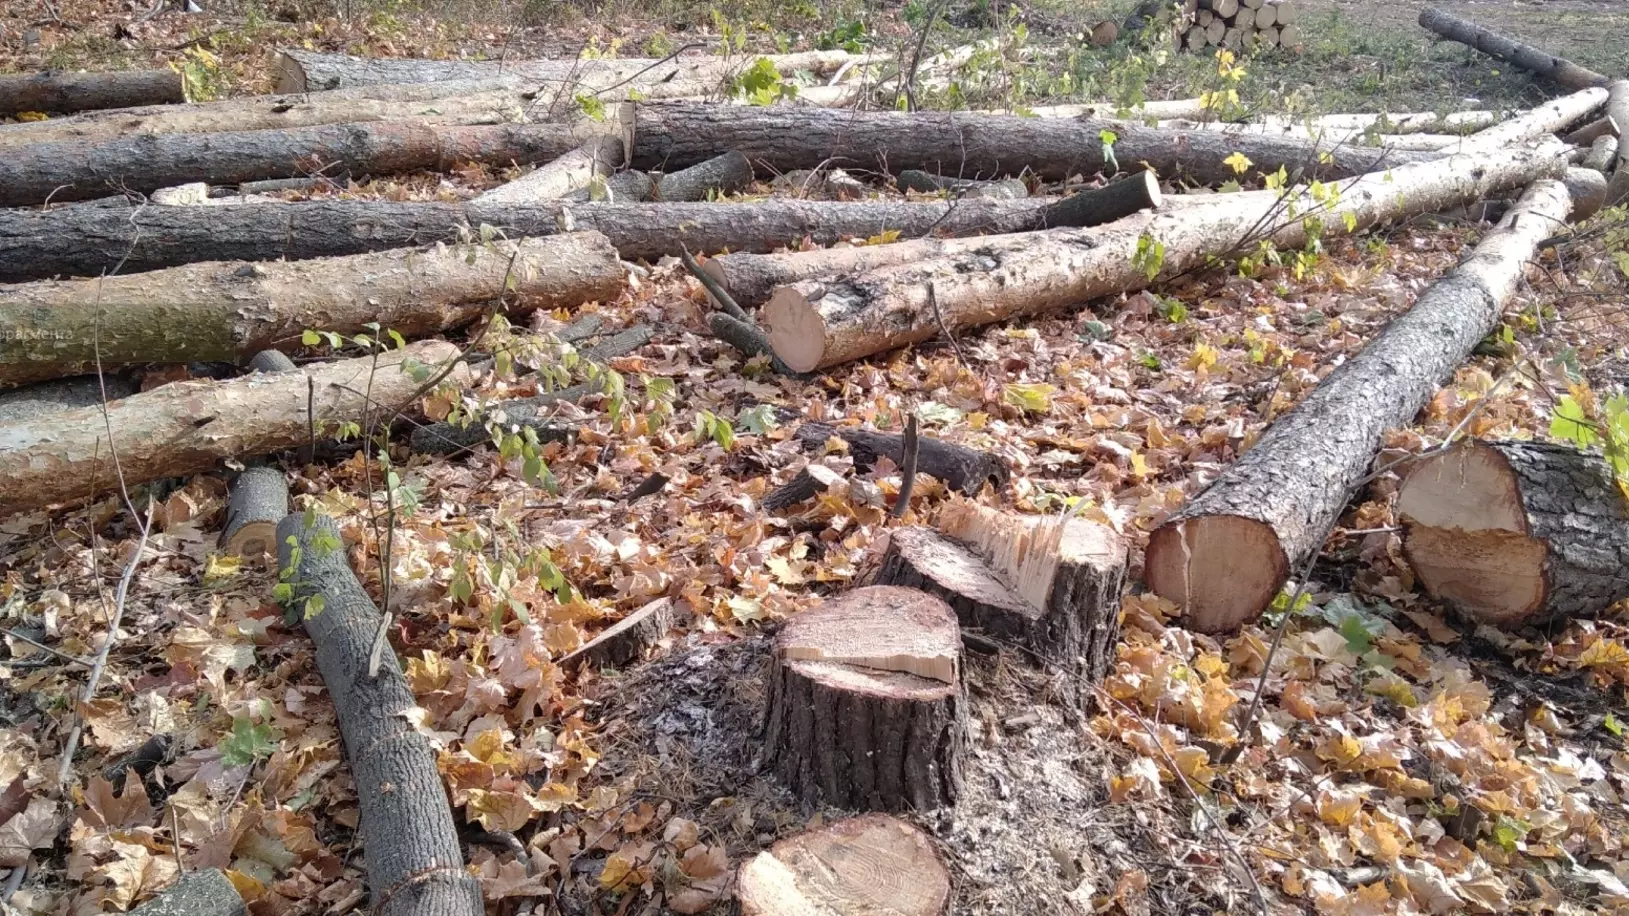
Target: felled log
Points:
(187, 427)
(726, 173)
(1049, 585)
(1515, 533)
(406, 826)
(57, 395)
(626, 640)
(923, 182)
(819, 324)
(1617, 110)
(751, 278)
(970, 145)
(1588, 189)
(597, 158)
(1604, 126)
(86, 241)
(226, 311)
(865, 707)
(1224, 555)
(256, 502)
(867, 864)
(1602, 153)
(309, 71)
(61, 91)
(961, 468)
(1556, 69)
(201, 893)
(271, 361)
(75, 171)
(1552, 117)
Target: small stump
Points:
(865, 702)
(862, 866)
(1050, 586)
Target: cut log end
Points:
(797, 332)
(865, 705)
(628, 639)
(257, 502)
(867, 864)
(1236, 565)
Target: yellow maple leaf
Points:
(500, 810)
(31, 116)
(1604, 652)
(1238, 162)
(1204, 356)
(1035, 397)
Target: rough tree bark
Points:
(1512, 533)
(626, 640)
(865, 706)
(597, 158)
(60, 91)
(818, 324)
(257, 501)
(227, 311)
(727, 173)
(58, 395)
(1617, 110)
(74, 171)
(309, 71)
(1224, 555)
(200, 893)
(868, 864)
(187, 427)
(86, 241)
(918, 180)
(407, 831)
(1050, 586)
(961, 468)
(1602, 153)
(971, 145)
(1556, 69)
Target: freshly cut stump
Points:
(627, 639)
(1052, 587)
(257, 502)
(872, 865)
(865, 703)
(1511, 533)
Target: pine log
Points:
(871, 864)
(1602, 153)
(728, 173)
(1588, 188)
(271, 361)
(1049, 586)
(1289, 35)
(57, 395)
(1604, 126)
(920, 181)
(309, 71)
(74, 171)
(597, 158)
(969, 145)
(865, 708)
(961, 468)
(1233, 38)
(1245, 20)
(256, 502)
(201, 893)
(1222, 8)
(1556, 69)
(818, 324)
(1266, 17)
(1215, 32)
(751, 278)
(1617, 109)
(406, 829)
(229, 310)
(625, 641)
(1287, 11)
(1225, 554)
(60, 91)
(86, 241)
(1515, 533)
(187, 427)
(1552, 117)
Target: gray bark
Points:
(1556, 69)
(415, 866)
(87, 241)
(59, 91)
(57, 395)
(961, 468)
(974, 145)
(920, 181)
(256, 502)
(200, 893)
(271, 361)
(728, 173)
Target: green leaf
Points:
(1508, 831)
(248, 742)
(1569, 423)
(757, 420)
(1611, 724)
(310, 338)
(942, 414)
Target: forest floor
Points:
(1385, 720)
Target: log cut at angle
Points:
(872, 865)
(1510, 533)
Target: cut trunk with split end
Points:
(626, 640)
(1514, 533)
(872, 864)
(865, 704)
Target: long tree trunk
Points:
(189, 427)
(74, 171)
(1617, 110)
(1225, 554)
(309, 71)
(1511, 533)
(969, 145)
(230, 310)
(818, 324)
(406, 827)
(86, 241)
(1556, 69)
(1553, 116)
(499, 100)
(751, 278)
(59, 91)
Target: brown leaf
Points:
(106, 808)
(35, 828)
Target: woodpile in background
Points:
(1238, 25)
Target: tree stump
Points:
(865, 705)
(872, 864)
(1510, 533)
(1050, 586)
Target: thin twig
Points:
(175, 836)
(907, 467)
(107, 644)
(916, 58)
(933, 302)
(15, 881)
(70, 659)
(720, 295)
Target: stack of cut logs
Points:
(1240, 24)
